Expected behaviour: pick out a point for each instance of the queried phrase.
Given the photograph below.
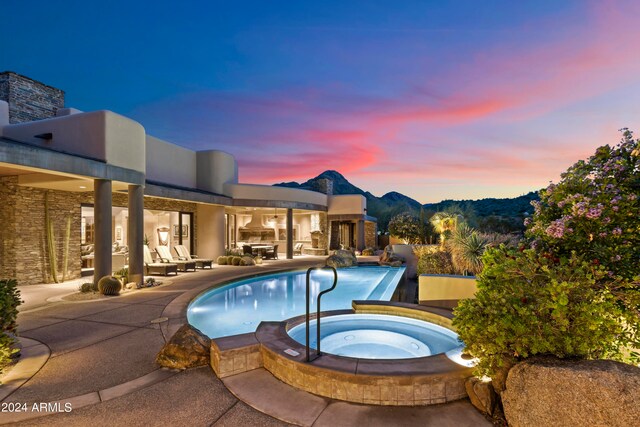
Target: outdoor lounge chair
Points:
(184, 255)
(297, 249)
(165, 256)
(152, 267)
(247, 250)
(272, 254)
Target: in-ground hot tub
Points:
(377, 336)
(417, 378)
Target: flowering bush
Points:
(595, 211)
(531, 303)
(576, 291)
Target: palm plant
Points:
(444, 223)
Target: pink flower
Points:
(594, 213)
(617, 231)
(558, 228)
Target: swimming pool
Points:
(378, 336)
(240, 306)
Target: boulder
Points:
(341, 258)
(390, 258)
(187, 348)
(550, 391)
(482, 395)
(247, 260)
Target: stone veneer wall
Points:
(323, 241)
(29, 99)
(370, 234)
(23, 246)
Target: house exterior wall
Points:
(170, 163)
(347, 204)
(23, 247)
(29, 99)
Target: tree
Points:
(409, 228)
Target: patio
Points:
(102, 361)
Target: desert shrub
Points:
(123, 275)
(434, 260)
(88, 287)
(530, 303)
(222, 260)
(466, 247)
(9, 302)
(109, 285)
(367, 252)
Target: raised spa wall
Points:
(419, 381)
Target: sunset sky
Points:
(436, 100)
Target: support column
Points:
(360, 235)
(289, 233)
(211, 231)
(102, 217)
(135, 233)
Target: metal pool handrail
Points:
(308, 299)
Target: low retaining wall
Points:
(441, 290)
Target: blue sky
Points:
(432, 99)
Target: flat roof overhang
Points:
(351, 217)
(283, 204)
(26, 155)
(167, 191)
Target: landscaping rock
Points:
(247, 260)
(482, 395)
(187, 348)
(390, 258)
(342, 258)
(556, 392)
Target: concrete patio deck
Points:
(102, 361)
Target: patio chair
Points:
(165, 256)
(184, 255)
(297, 249)
(152, 267)
(272, 254)
(247, 250)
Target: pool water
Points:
(378, 336)
(239, 307)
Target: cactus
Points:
(109, 285)
(236, 260)
(51, 244)
(65, 250)
(247, 260)
(222, 260)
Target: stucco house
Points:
(94, 185)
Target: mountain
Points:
(503, 215)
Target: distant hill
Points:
(490, 214)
